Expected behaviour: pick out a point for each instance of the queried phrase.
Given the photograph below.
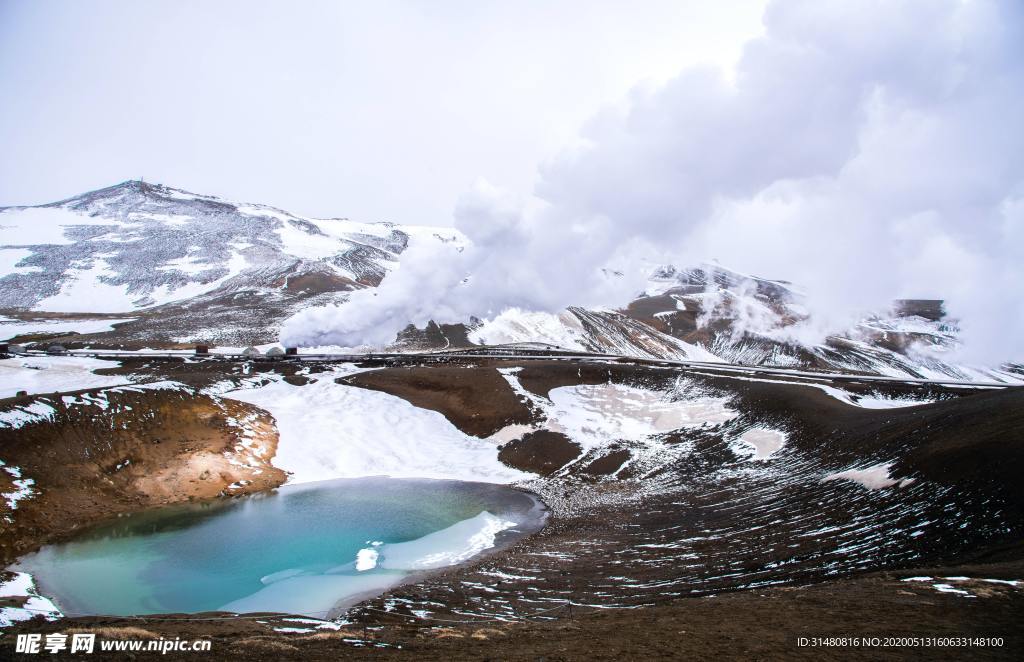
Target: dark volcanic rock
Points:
(478, 402)
(542, 451)
(608, 464)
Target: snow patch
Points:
(872, 401)
(35, 226)
(22, 586)
(235, 265)
(330, 430)
(85, 290)
(759, 443)
(515, 325)
(53, 374)
(873, 478)
(22, 488)
(9, 259)
(21, 415)
(12, 328)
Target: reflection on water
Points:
(292, 550)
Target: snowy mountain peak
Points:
(137, 245)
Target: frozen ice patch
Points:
(366, 559)
(595, 415)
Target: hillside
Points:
(188, 266)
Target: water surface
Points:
(292, 550)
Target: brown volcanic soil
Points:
(763, 624)
(541, 451)
(145, 448)
(539, 378)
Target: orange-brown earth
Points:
(142, 448)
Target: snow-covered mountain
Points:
(183, 267)
(191, 265)
(712, 313)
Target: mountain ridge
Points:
(190, 268)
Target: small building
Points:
(275, 353)
(17, 349)
(202, 350)
(292, 351)
(3, 348)
(56, 349)
(251, 353)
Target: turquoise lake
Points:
(308, 549)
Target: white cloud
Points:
(866, 151)
(383, 110)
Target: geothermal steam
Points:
(866, 151)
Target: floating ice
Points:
(366, 559)
(458, 543)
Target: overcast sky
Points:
(864, 149)
(384, 110)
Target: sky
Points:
(384, 110)
(865, 150)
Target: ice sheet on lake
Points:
(312, 595)
(375, 569)
(459, 542)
